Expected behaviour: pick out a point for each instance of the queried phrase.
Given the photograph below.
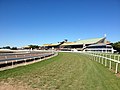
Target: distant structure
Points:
(88, 45)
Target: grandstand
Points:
(94, 44)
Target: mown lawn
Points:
(67, 71)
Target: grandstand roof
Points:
(78, 42)
(87, 41)
(55, 44)
(68, 43)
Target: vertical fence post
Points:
(16, 56)
(105, 60)
(110, 61)
(25, 61)
(12, 63)
(99, 57)
(91, 56)
(116, 70)
(34, 59)
(5, 57)
(102, 58)
(6, 62)
(96, 57)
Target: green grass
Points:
(67, 71)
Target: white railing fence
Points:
(106, 59)
(12, 61)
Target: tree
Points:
(7, 47)
(60, 43)
(34, 46)
(116, 46)
(14, 48)
(65, 40)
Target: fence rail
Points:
(13, 59)
(106, 59)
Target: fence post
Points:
(110, 62)
(12, 63)
(116, 70)
(105, 60)
(102, 58)
(5, 57)
(6, 62)
(34, 59)
(90, 56)
(16, 56)
(25, 61)
(93, 55)
(96, 57)
(99, 57)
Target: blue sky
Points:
(25, 22)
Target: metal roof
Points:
(52, 44)
(78, 42)
(81, 42)
(89, 41)
(68, 43)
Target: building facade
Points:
(88, 45)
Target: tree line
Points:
(15, 48)
(8, 47)
(116, 46)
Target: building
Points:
(51, 46)
(100, 48)
(89, 45)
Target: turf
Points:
(67, 71)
